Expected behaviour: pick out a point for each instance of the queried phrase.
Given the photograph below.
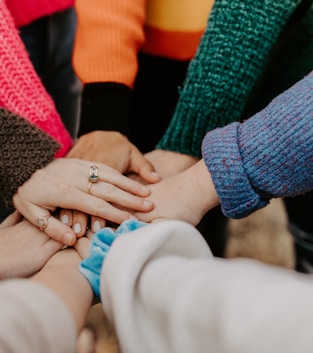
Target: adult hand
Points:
(24, 249)
(62, 276)
(64, 183)
(186, 196)
(167, 163)
(116, 151)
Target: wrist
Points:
(203, 184)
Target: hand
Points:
(24, 249)
(64, 183)
(62, 276)
(114, 150)
(168, 163)
(186, 196)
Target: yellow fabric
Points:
(111, 33)
(178, 15)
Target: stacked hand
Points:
(186, 196)
(66, 183)
(24, 249)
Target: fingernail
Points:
(77, 228)
(145, 189)
(147, 204)
(156, 175)
(65, 219)
(68, 238)
(96, 226)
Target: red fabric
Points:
(21, 90)
(170, 44)
(26, 11)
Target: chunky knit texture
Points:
(232, 57)
(24, 148)
(269, 155)
(21, 90)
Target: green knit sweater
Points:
(250, 52)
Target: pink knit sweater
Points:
(26, 11)
(21, 90)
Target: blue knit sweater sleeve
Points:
(269, 155)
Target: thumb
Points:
(141, 166)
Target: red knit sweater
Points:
(21, 90)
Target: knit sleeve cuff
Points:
(24, 148)
(105, 106)
(221, 154)
(181, 135)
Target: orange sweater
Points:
(111, 33)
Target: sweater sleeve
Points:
(230, 58)
(34, 320)
(21, 90)
(144, 307)
(165, 292)
(24, 148)
(269, 155)
(109, 36)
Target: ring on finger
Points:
(93, 174)
(43, 222)
(89, 187)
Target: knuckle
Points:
(101, 207)
(109, 190)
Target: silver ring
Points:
(43, 222)
(93, 175)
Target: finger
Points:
(97, 223)
(113, 194)
(145, 169)
(119, 180)
(12, 219)
(82, 246)
(90, 234)
(80, 220)
(51, 226)
(66, 217)
(95, 206)
(60, 232)
(103, 173)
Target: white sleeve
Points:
(165, 292)
(34, 320)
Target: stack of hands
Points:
(99, 184)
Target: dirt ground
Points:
(263, 236)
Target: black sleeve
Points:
(105, 106)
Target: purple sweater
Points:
(269, 155)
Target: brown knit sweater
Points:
(24, 148)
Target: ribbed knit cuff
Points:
(105, 106)
(267, 156)
(24, 148)
(221, 154)
(182, 136)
